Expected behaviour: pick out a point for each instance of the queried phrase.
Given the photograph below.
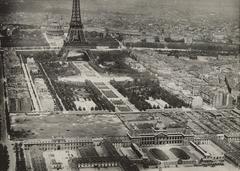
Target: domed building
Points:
(54, 29)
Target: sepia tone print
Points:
(109, 85)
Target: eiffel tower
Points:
(76, 36)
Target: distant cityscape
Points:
(119, 91)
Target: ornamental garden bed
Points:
(159, 154)
(179, 153)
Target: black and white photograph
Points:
(119, 85)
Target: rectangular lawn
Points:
(67, 126)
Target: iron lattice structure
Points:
(76, 36)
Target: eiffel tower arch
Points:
(76, 37)
(75, 40)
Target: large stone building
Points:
(58, 143)
(149, 137)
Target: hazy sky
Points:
(224, 7)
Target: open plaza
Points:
(30, 127)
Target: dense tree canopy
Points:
(4, 158)
(142, 89)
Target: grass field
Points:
(158, 154)
(172, 152)
(67, 126)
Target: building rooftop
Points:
(58, 140)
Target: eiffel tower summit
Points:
(76, 37)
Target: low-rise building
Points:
(211, 153)
(215, 97)
(232, 137)
(93, 162)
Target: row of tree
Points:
(20, 159)
(4, 158)
(101, 102)
(52, 91)
(199, 46)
